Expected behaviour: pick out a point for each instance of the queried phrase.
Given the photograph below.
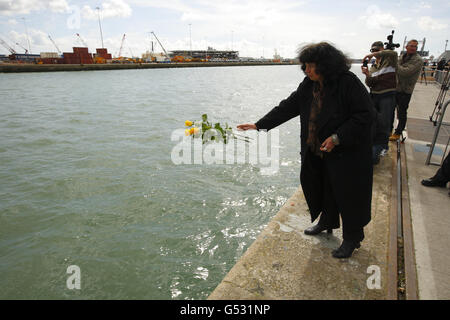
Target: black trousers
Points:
(402, 108)
(385, 106)
(443, 174)
(330, 210)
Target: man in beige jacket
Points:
(408, 71)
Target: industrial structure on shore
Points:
(81, 55)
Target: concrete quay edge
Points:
(285, 264)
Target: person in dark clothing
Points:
(441, 65)
(336, 115)
(442, 176)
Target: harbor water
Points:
(87, 179)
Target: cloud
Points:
(424, 5)
(109, 9)
(377, 19)
(38, 39)
(11, 7)
(255, 26)
(428, 23)
(418, 7)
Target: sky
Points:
(255, 28)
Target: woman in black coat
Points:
(336, 115)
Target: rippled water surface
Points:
(86, 179)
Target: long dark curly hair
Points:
(330, 61)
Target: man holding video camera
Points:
(382, 81)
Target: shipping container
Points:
(49, 55)
(80, 50)
(52, 60)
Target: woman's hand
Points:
(247, 126)
(327, 145)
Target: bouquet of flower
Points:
(209, 132)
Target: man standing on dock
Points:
(381, 79)
(408, 71)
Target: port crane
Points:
(59, 51)
(4, 44)
(82, 41)
(26, 50)
(121, 46)
(165, 52)
(121, 59)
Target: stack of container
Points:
(79, 56)
(51, 58)
(84, 55)
(71, 58)
(103, 53)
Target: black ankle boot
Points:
(314, 230)
(346, 249)
(434, 182)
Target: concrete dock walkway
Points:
(430, 207)
(284, 263)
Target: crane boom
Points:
(26, 50)
(59, 51)
(121, 45)
(165, 52)
(82, 41)
(3, 43)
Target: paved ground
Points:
(430, 207)
(284, 263)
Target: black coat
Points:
(347, 110)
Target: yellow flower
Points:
(191, 130)
(187, 132)
(196, 130)
(188, 123)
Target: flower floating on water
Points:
(209, 132)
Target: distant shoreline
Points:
(14, 68)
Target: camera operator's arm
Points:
(365, 70)
(370, 56)
(370, 81)
(382, 54)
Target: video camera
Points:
(390, 45)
